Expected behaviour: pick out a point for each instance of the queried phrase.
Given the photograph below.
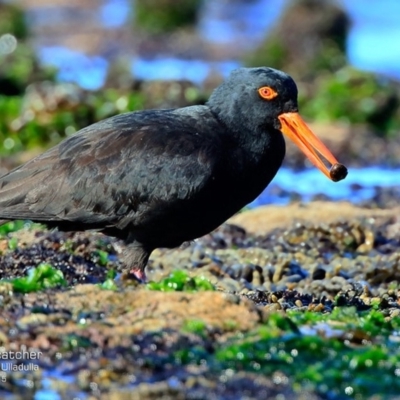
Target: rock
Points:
(264, 219)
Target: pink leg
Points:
(135, 257)
(139, 274)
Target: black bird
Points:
(157, 178)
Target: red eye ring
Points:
(267, 93)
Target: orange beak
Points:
(297, 130)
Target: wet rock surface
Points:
(132, 342)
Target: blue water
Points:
(374, 40)
(174, 68)
(359, 185)
(88, 71)
(114, 13)
(373, 43)
(243, 23)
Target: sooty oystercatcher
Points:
(157, 178)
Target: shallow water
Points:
(360, 185)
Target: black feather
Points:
(158, 178)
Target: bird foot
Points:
(139, 274)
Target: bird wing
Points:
(112, 172)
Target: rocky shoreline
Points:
(265, 262)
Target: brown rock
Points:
(264, 219)
(135, 311)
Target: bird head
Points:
(265, 99)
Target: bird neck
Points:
(255, 140)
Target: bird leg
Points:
(139, 274)
(135, 257)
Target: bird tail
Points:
(16, 186)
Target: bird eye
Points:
(267, 93)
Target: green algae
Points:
(12, 21)
(157, 16)
(27, 122)
(42, 277)
(179, 281)
(196, 326)
(102, 257)
(11, 226)
(13, 243)
(337, 355)
(354, 97)
(109, 283)
(73, 341)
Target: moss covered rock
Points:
(158, 16)
(12, 21)
(355, 97)
(310, 36)
(19, 65)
